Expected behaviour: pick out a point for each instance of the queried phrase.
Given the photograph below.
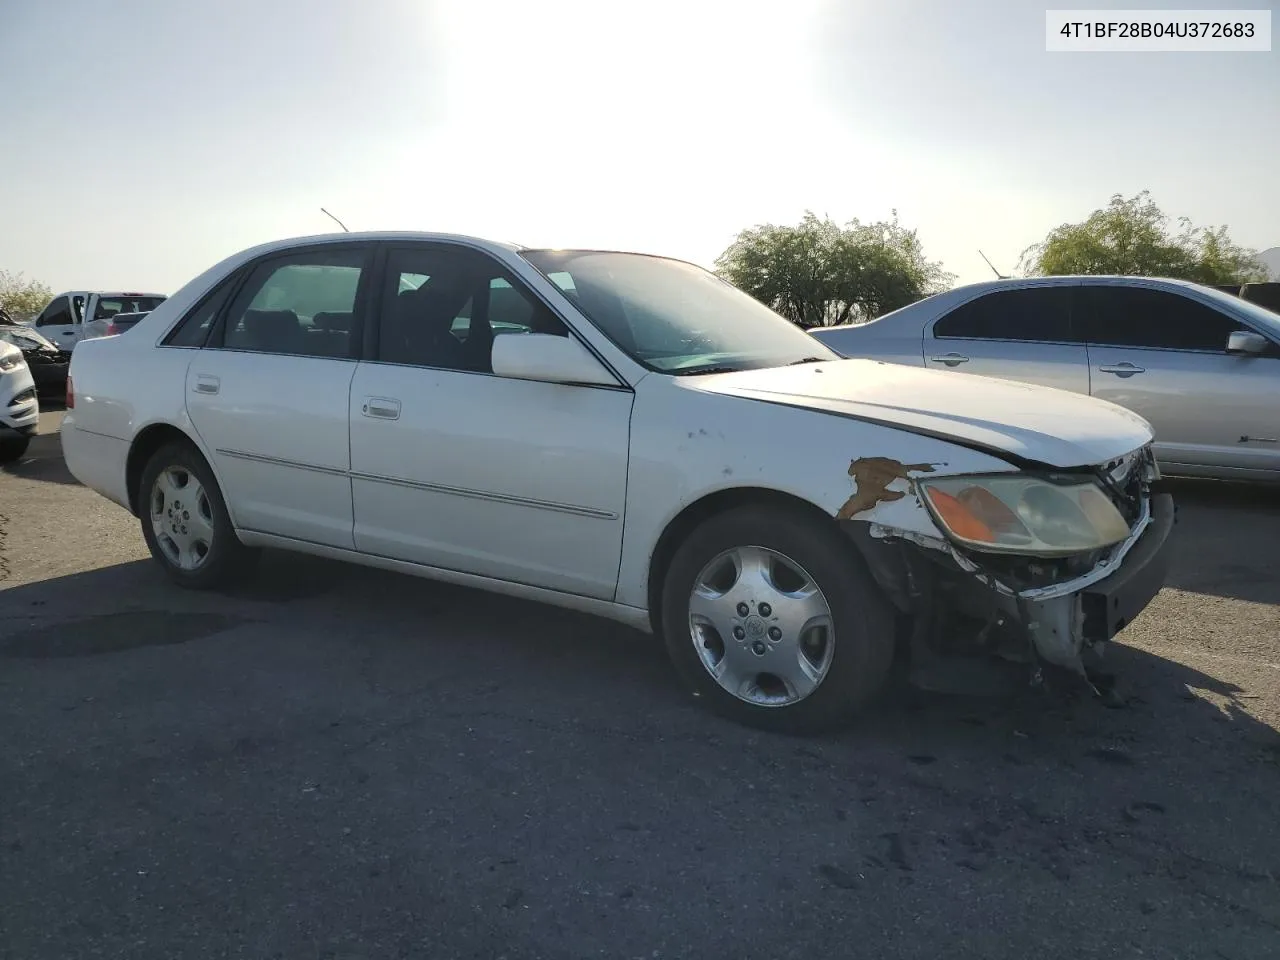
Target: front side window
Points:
(1156, 319)
(302, 305)
(57, 313)
(1039, 314)
(442, 308)
(673, 317)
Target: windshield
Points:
(108, 307)
(674, 317)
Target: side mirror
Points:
(1246, 341)
(544, 356)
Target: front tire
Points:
(185, 521)
(771, 618)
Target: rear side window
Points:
(1037, 314)
(301, 305)
(108, 307)
(1157, 319)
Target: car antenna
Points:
(344, 226)
(999, 275)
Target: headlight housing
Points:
(11, 362)
(1019, 514)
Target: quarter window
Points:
(443, 307)
(193, 329)
(301, 305)
(1040, 314)
(1141, 317)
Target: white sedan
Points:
(626, 435)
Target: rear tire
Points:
(186, 523)
(813, 614)
(13, 447)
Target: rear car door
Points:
(1163, 354)
(454, 467)
(268, 393)
(1022, 333)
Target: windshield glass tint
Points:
(108, 307)
(674, 317)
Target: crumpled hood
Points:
(1043, 424)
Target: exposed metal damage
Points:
(959, 604)
(871, 478)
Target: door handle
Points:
(1125, 369)
(950, 359)
(206, 383)
(382, 408)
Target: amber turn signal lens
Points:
(959, 518)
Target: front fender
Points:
(687, 445)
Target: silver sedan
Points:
(1201, 366)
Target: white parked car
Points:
(626, 435)
(81, 314)
(19, 406)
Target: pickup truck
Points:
(77, 315)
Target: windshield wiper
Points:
(695, 371)
(796, 363)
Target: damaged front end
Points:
(997, 574)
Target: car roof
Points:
(1071, 279)
(107, 293)
(492, 246)
(362, 235)
(949, 299)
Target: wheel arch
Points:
(701, 510)
(150, 439)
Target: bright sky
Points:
(146, 139)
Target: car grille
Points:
(22, 397)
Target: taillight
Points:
(112, 329)
(71, 394)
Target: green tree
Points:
(21, 298)
(819, 273)
(1132, 238)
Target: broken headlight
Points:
(1025, 515)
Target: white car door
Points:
(268, 392)
(1164, 355)
(455, 467)
(1022, 333)
(59, 323)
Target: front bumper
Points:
(931, 581)
(1063, 619)
(1111, 604)
(20, 411)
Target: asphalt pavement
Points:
(342, 763)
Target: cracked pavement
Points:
(338, 762)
